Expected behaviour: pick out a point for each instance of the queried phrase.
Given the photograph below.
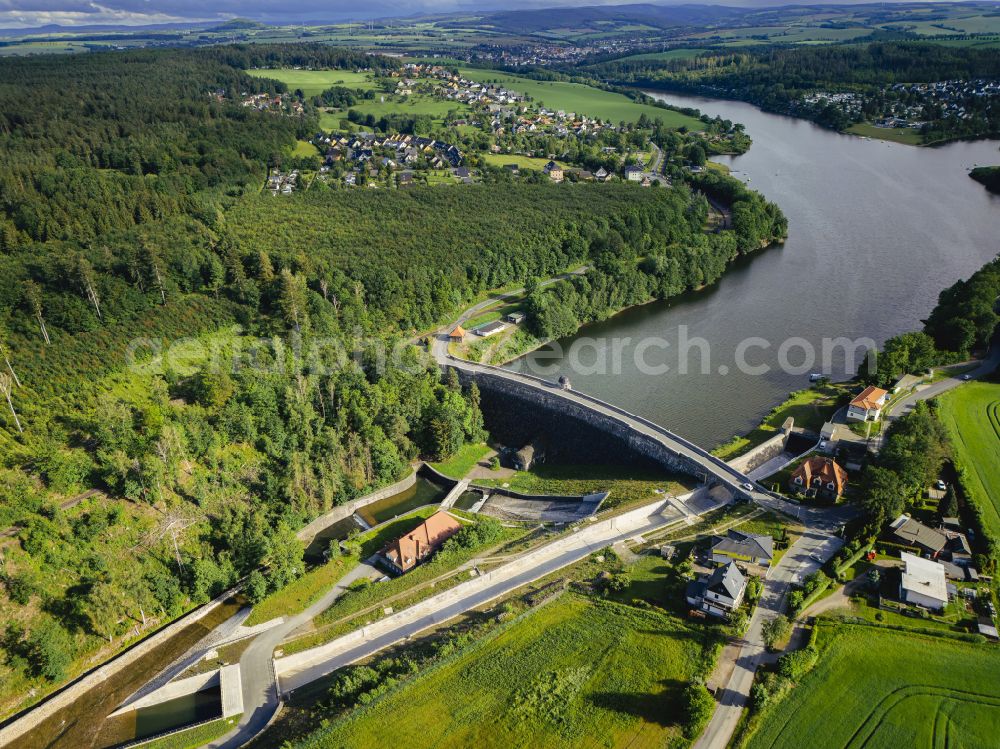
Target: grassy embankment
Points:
(463, 461)
(810, 408)
(971, 413)
(576, 672)
(891, 689)
(193, 737)
(302, 592)
(625, 484)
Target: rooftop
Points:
(871, 398)
(924, 577)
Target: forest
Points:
(131, 213)
(775, 78)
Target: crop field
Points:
(574, 673)
(582, 99)
(313, 82)
(971, 414)
(889, 690)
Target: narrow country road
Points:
(260, 693)
(797, 563)
(905, 404)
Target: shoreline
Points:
(660, 88)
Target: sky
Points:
(32, 13)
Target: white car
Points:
(940, 485)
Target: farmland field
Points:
(313, 82)
(576, 97)
(890, 690)
(971, 414)
(574, 673)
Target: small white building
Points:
(485, 331)
(923, 583)
(633, 174)
(867, 405)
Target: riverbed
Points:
(876, 231)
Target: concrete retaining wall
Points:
(71, 693)
(759, 455)
(342, 512)
(528, 399)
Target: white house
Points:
(721, 593)
(923, 582)
(867, 405)
(633, 173)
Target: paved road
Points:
(260, 693)
(905, 404)
(794, 566)
(299, 669)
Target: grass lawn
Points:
(810, 408)
(971, 413)
(625, 484)
(573, 673)
(888, 690)
(304, 148)
(193, 737)
(313, 82)
(907, 135)
(582, 99)
(523, 162)
(301, 593)
(410, 105)
(463, 461)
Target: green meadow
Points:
(882, 689)
(971, 414)
(573, 673)
(582, 99)
(313, 82)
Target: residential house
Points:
(601, 174)
(737, 546)
(719, 594)
(819, 476)
(408, 551)
(909, 532)
(554, 171)
(923, 582)
(867, 405)
(633, 173)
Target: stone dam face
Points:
(568, 432)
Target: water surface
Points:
(876, 231)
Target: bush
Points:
(699, 706)
(775, 630)
(798, 663)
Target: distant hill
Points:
(239, 24)
(599, 18)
